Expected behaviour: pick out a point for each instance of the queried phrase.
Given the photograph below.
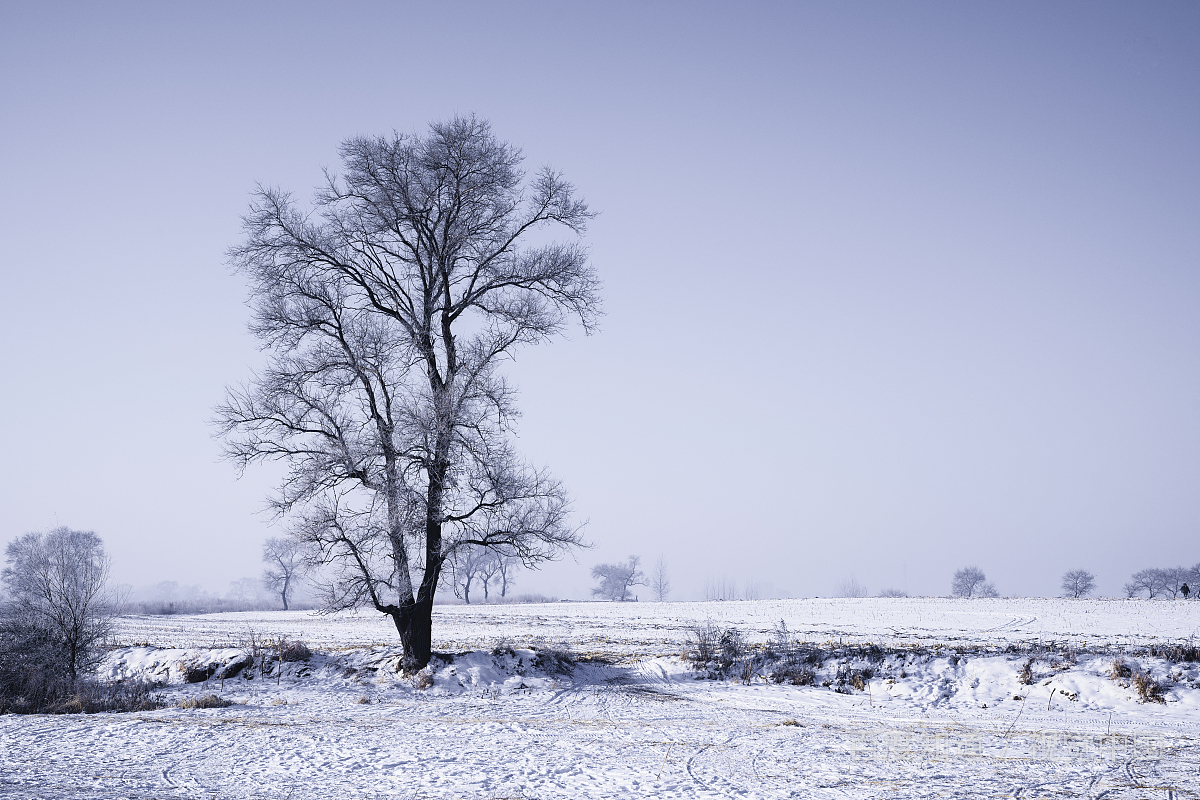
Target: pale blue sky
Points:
(891, 287)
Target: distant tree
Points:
(617, 579)
(892, 593)
(850, 587)
(752, 590)
(247, 590)
(660, 580)
(971, 582)
(489, 572)
(1078, 583)
(58, 599)
(506, 567)
(1151, 581)
(1172, 580)
(1192, 576)
(720, 589)
(467, 569)
(284, 558)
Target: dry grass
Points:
(1148, 689)
(206, 701)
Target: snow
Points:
(498, 719)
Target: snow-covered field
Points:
(937, 714)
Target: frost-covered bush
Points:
(554, 655)
(295, 651)
(1148, 689)
(206, 701)
(716, 649)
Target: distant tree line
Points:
(482, 569)
(1166, 582)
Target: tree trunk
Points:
(414, 623)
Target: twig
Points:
(1019, 713)
(664, 762)
(1048, 702)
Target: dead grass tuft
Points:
(206, 701)
(1148, 689)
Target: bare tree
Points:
(388, 311)
(660, 580)
(1172, 580)
(506, 568)
(971, 582)
(489, 569)
(850, 587)
(58, 596)
(1078, 583)
(617, 579)
(1151, 581)
(467, 568)
(1192, 576)
(247, 591)
(720, 589)
(285, 562)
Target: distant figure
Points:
(1185, 590)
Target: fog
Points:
(889, 290)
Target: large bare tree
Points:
(388, 309)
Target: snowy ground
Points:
(937, 718)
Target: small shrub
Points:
(554, 656)
(1148, 689)
(1026, 677)
(791, 722)
(1179, 653)
(363, 700)
(732, 648)
(1119, 670)
(296, 651)
(503, 647)
(795, 674)
(279, 701)
(703, 641)
(855, 678)
(206, 701)
(781, 644)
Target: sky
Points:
(890, 288)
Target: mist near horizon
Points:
(889, 290)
